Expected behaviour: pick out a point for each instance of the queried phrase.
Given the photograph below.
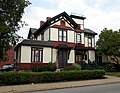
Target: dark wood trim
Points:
(90, 42)
(49, 33)
(62, 34)
(62, 27)
(40, 50)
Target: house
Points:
(61, 37)
(10, 57)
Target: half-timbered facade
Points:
(61, 38)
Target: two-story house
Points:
(61, 37)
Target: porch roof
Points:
(62, 46)
(27, 42)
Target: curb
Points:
(70, 87)
(58, 85)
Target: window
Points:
(89, 42)
(63, 23)
(62, 35)
(78, 26)
(37, 55)
(78, 38)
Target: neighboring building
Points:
(10, 57)
(111, 59)
(61, 37)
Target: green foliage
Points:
(11, 12)
(73, 67)
(13, 78)
(113, 74)
(49, 67)
(85, 66)
(109, 43)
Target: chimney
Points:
(41, 23)
(47, 18)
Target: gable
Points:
(56, 19)
(62, 23)
(31, 32)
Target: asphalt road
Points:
(107, 88)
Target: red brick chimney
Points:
(47, 18)
(41, 23)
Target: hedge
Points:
(16, 78)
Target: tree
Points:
(109, 44)
(11, 12)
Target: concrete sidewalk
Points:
(47, 86)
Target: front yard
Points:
(113, 74)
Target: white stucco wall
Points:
(19, 55)
(46, 55)
(46, 35)
(54, 55)
(25, 54)
(86, 41)
(39, 37)
(57, 23)
(92, 55)
(54, 34)
(70, 37)
(93, 42)
(82, 38)
(71, 57)
(82, 27)
(79, 21)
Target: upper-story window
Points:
(62, 35)
(62, 23)
(78, 38)
(78, 26)
(39, 37)
(89, 41)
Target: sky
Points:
(99, 14)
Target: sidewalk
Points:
(47, 86)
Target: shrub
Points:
(49, 67)
(85, 66)
(73, 67)
(13, 78)
(109, 67)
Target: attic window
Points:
(62, 23)
(78, 26)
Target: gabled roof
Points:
(31, 31)
(86, 30)
(48, 22)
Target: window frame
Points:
(62, 23)
(40, 54)
(63, 35)
(80, 40)
(90, 42)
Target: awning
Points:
(79, 48)
(63, 47)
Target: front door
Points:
(78, 58)
(62, 57)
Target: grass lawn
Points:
(113, 74)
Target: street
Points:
(107, 88)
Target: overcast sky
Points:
(99, 13)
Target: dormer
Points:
(31, 33)
(79, 20)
